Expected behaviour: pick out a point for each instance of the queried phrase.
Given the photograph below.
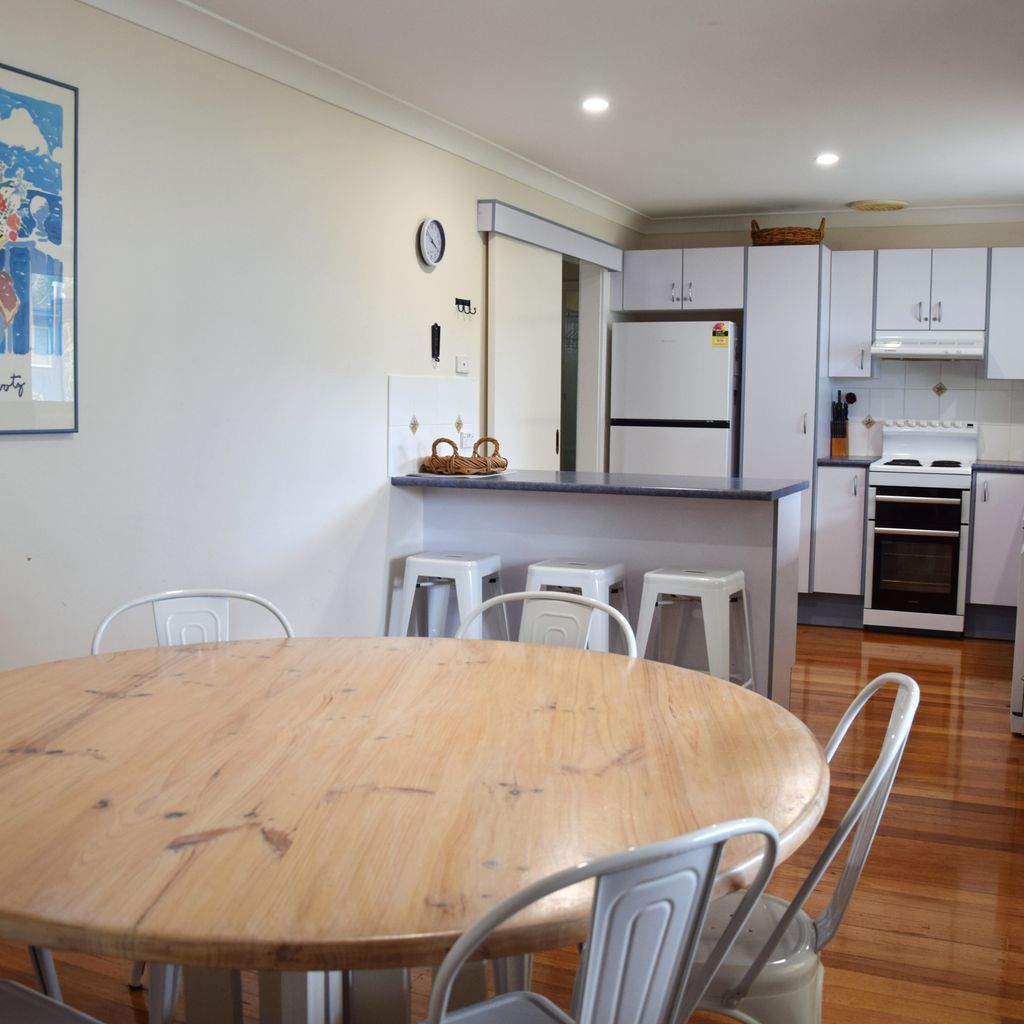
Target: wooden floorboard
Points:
(935, 932)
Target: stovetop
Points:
(933, 447)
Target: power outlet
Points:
(462, 364)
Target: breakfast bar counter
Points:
(644, 521)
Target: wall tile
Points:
(921, 404)
(993, 441)
(1017, 442)
(992, 406)
(864, 441)
(1017, 408)
(984, 384)
(959, 374)
(922, 373)
(957, 404)
(887, 403)
(889, 373)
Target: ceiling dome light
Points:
(826, 159)
(879, 205)
(595, 105)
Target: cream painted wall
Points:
(247, 281)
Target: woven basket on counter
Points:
(464, 465)
(786, 236)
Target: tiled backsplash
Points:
(439, 405)
(905, 389)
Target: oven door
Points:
(917, 542)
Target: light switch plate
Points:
(462, 364)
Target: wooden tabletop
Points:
(313, 803)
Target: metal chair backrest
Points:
(190, 616)
(556, 618)
(649, 906)
(862, 818)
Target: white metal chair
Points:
(555, 618)
(649, 904)
(190, 616)
(20, 1005)
(182, 617)
(774, 974)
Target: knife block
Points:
(840, 447)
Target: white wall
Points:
(247, 281)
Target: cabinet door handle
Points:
(805, 423)
(556, 441)
(921, 318)
(862, 359)
(689, 292)
(938, 312)
(984, 490)
(855, 487)
(672, 293)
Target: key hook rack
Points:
(463, 306)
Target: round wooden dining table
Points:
(334, 803)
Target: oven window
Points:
(916, 574)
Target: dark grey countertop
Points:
(737, 488)
(846, 460)
(994, 466)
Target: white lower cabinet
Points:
(996, 538)
(839, 518)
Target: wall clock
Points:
(432, 241)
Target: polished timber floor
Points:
(935, 932)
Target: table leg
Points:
(469, 986)
(300, 997)
(377, 997)
(212, 995)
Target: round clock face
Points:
(432, 241)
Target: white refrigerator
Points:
(675, 398)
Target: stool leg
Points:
(716, 631)
(468, 594)
(749, 683)
(437, 606)
(598, 639)
(408, 599)
(493, 589)
(648, 602)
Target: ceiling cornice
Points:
(197, 28)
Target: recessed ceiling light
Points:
(826, 159)
(595, 105)
(879, 205)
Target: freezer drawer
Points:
(677, 451)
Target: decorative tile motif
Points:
(458, 424)
(869, 422)
(939, 389)
(414, 424)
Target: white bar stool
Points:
(717, 590)
(438, 573)
(599, 580)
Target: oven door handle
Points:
(899, 499)
(892, 532)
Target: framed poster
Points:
(38, 228)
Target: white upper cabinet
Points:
(652, 279)
(682, 279)
(1005, 322)
(925, 289)
(713, 278)
(851, 314)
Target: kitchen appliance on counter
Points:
(919, 511)
(675, 398)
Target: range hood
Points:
(929, 345)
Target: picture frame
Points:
(38, 254)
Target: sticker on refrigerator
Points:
(720, 336)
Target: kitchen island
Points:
(645, 521)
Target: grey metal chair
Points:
(649, 905)
(554, 617)
(774, 974)
(20, 1005)
(182, 617)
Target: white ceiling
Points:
(718, 106)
